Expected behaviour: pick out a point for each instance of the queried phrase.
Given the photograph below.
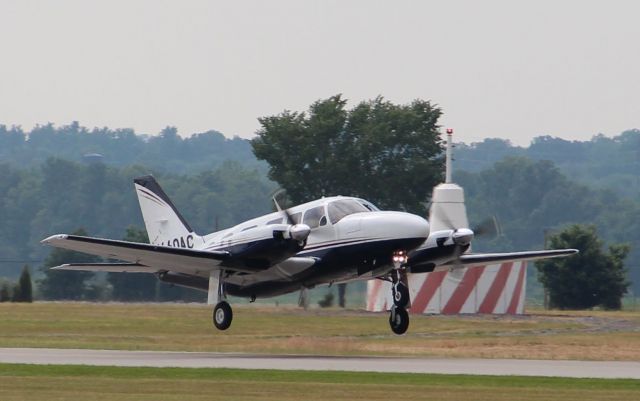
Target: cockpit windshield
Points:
(344, 207)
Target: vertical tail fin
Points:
(165, 225)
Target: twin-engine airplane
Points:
(330, 240)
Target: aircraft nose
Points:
(396, 224)
(411, 225)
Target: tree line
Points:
(602, 162)
(166, 152)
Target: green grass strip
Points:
(300, 376)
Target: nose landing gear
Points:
(400, 293)
(399, 317)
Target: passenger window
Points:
(312, 216)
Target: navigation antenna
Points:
(448, 156)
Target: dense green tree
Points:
(5, 291)
(591, 278)
(15, 294)
(24, 289)
(385, 153)
(63, 284)
(389, 154)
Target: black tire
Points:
(222, 315)
(400, 295)
(399, 320)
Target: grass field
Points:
(260, 329)
(27, 382)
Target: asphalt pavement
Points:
(501, 367)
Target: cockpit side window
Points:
(313, 216)
(369, 205)
(341, 208)
(296, 217)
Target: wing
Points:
(158, 258)
(489, 258)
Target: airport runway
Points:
(46, 356)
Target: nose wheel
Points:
(399, 320)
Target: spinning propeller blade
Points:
(488, 227)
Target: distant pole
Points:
(448, 156)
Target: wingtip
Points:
(53, 238)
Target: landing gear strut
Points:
(399, 318)
(400, 293)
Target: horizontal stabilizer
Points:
(107, 267)
(491, 258)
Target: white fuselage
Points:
(352, 238)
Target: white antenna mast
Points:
(448, 156)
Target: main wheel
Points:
(400, 295)
(222, 315)
(399, 320)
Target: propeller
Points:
(488, 227)
(462, 237)
(297, 231)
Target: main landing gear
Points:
(222, 313)
(399, 317)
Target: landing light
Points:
(400, 257)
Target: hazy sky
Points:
(509, 69)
